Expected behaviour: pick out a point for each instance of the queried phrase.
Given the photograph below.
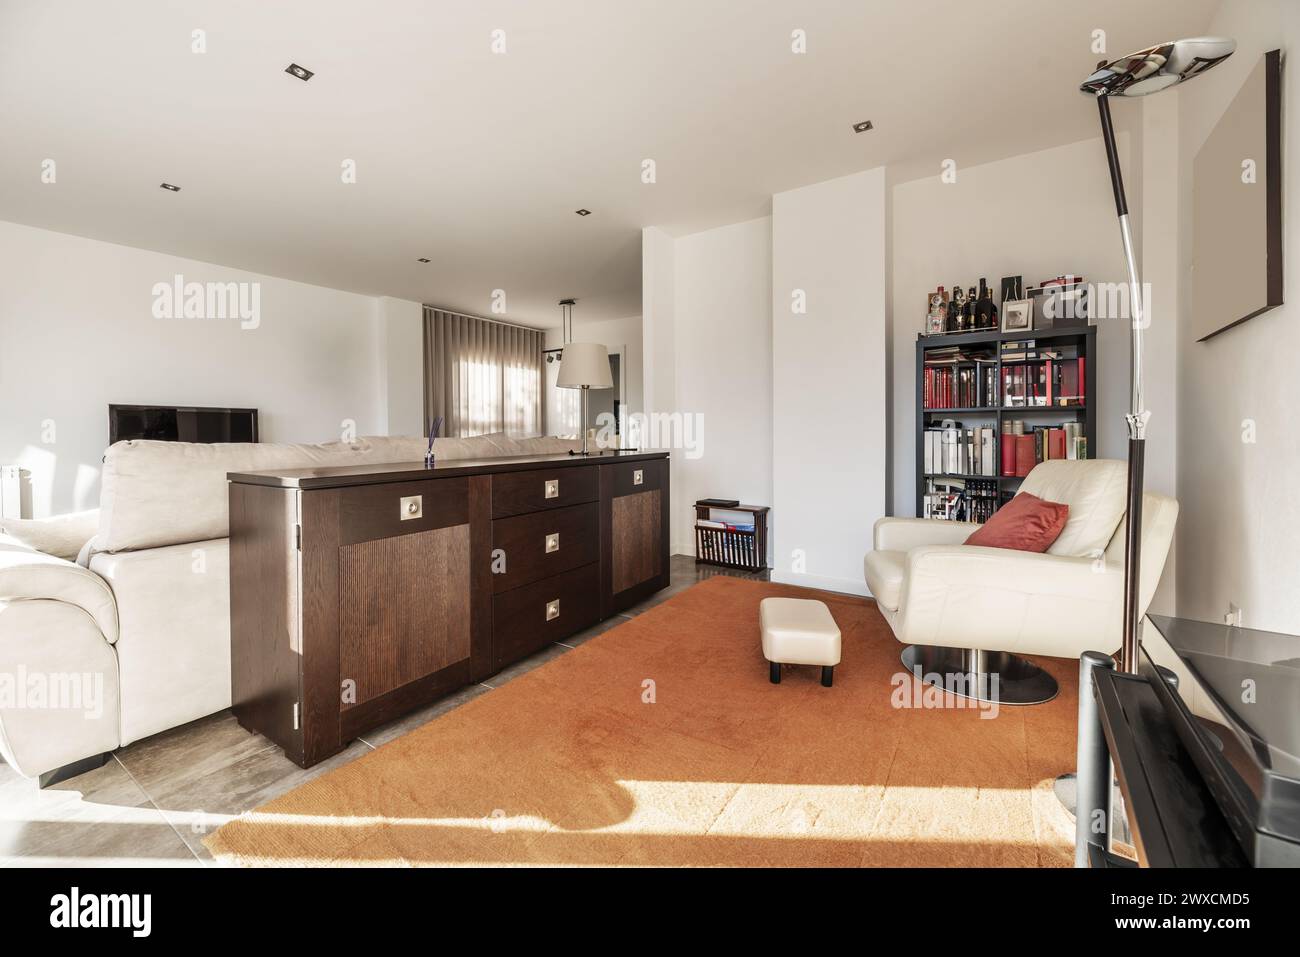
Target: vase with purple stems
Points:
(433, 434)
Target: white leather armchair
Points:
(971, 610)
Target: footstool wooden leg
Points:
(774, 672)
(828, 672)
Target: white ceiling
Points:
(477, 160)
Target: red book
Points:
(1008, 447)
(1026, 457)
(1083, 388)
(1056, 443)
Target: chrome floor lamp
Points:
(1138, 74)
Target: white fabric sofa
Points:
(144, 614)
(936, 592)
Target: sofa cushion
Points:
(884, 573)
(1027, 523)
(1095, 491)
(165, 493)
(61, 536)
(168, 493)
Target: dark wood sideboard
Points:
(360, 593)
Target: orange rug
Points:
(662, 742)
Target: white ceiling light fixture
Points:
(301, 72)
(169, 187)
(863, 126)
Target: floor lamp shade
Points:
(584, 365)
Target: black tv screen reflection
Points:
(176, 423)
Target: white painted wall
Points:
(1036, 215)
(658, 318)
(77, 332)
(1239, 528)
(723, 368)
(399, 355)
(828, 379)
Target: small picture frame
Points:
(1017, 315)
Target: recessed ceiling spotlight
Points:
(301, 72)
(174, 189)
(862, 127)
(583, 212)
(422, 260)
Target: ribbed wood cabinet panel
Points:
(404, 609)
(637, 539)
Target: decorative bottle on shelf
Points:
(986, 312)
(968, 312)
(955, 306)
(936, 312)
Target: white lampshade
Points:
(584, 364)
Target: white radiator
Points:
(11, 492)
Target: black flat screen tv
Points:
(181, 423)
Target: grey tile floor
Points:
(153, 802)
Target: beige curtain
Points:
(481, 376)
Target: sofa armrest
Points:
(78, 712)
(905, 534)
(30, 575)
(969, 596)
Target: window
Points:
(482, 376)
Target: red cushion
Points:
(1026, 523)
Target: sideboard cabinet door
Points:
(634, 503)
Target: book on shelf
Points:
(960, 386)
(1038, 380)
(1024, 448)
(954, 450)
(960, 377)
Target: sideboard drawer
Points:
(516, 493)
(369, 512)
(543, 544)
(633, 477)
(528, 618)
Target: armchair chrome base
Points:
(995, 676)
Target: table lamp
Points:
(585, 366)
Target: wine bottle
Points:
(984, 308)
(955, 306)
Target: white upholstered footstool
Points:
(797, 631)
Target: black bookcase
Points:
(1082, 339)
